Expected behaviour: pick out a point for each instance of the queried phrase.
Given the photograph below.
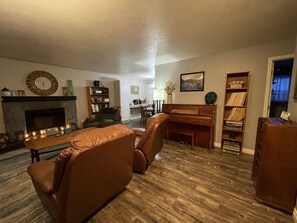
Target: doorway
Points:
(278, 85)
(280, 88)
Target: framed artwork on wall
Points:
(65, 91)
(192, 81)
(134, 89)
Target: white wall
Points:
(14, 73)
(142, 90)
(253, 59)
(292, 107)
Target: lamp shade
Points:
(158, 94)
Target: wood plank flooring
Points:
(183, 184)
(191, 185)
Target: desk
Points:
(135, 110)
(37, 144)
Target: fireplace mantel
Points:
(37, 98)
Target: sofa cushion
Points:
(108, 110)
(92, 120)
(106, 122)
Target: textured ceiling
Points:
(132, 36)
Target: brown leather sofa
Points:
(84, 177)
(149, 141)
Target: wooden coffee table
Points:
(61, 141)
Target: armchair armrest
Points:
(138, 131)
(42, 175)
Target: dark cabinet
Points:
(275, 163)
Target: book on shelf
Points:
(228, 95)
(236, 99)
(235, 149)
(95, 108)
(233, 125)
(236, 114)
(231, 152)
(231, 147)
(229, 143)
(236, 84)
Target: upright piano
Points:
(189, 119)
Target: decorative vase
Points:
(5, 92)
(169, 98)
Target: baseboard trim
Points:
(217, 145)
(295, 215)
(248, 151)
(244, 150)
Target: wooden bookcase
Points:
(98, 98)
(235, 106)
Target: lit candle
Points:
(34, 134)
(42, 133)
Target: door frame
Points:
(269, 78)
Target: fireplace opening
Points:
(44, 119)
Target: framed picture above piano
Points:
(192, 81)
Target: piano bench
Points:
(183, 131)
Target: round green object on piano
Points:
(210, 98)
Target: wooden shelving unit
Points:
(98, 98)
(235, 106)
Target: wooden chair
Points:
(145, 113)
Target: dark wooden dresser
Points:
(275, 163)
(196, 121)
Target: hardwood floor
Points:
(190, 184)
(183, 184)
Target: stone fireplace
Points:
(42, 119)
(14, 109)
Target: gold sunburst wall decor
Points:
(42, 83)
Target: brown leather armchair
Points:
(107, 116)
(85, 176)
(149, 141)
